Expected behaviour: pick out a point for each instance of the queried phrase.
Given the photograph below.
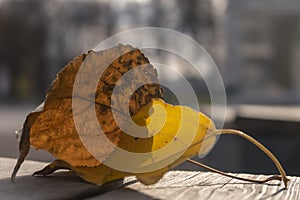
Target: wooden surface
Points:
(174, 185)
(59, 186)
(205, 185)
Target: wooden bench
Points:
(174, 185)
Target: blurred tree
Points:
(158, 16)
(23, 30)
(197, 18)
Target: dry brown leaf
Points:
(52, 127)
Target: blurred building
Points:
(263, 51)
(256, 44)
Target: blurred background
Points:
(255, 44)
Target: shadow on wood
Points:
(61, 185)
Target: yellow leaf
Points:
(174, 130)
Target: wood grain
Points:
(174, 185)
(205, 185)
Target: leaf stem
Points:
(262, 148)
